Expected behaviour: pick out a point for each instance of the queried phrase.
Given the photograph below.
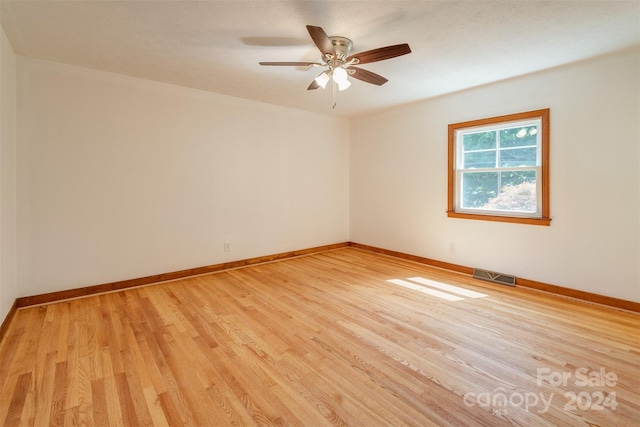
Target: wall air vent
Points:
(492, 276)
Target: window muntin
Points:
(498, 168)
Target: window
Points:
(499, 169)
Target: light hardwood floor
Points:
(325, 339)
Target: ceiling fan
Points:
(339, 63)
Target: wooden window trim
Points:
(544, 173)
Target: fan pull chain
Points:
(335, 85)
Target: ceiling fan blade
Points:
(293, 64)
(381, 53)
(314, 85)
(321, 39)
(367, 76)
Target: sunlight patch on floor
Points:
(427, 286)
(449, 288)
(426, 290)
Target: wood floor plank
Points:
(44, 389)
(62, 343)
(125, 400)
(59, 394)
(99, 403)
(17, 400)
(343, 337)
(187, 387)
(114, 411)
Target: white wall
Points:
(8, 177)
(399, 179)
(122, 177)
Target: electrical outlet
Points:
(227, 247)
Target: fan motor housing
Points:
(342, 46)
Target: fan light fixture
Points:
(343, 85)
(338, 75)
(323, 79)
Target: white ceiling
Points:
(216, 45)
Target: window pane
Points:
(517, 192)
(479, 159)
(517, 177)
(478, 188)
(518, 157)
(519, 137)
(478, 141)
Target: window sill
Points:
(500, 218)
